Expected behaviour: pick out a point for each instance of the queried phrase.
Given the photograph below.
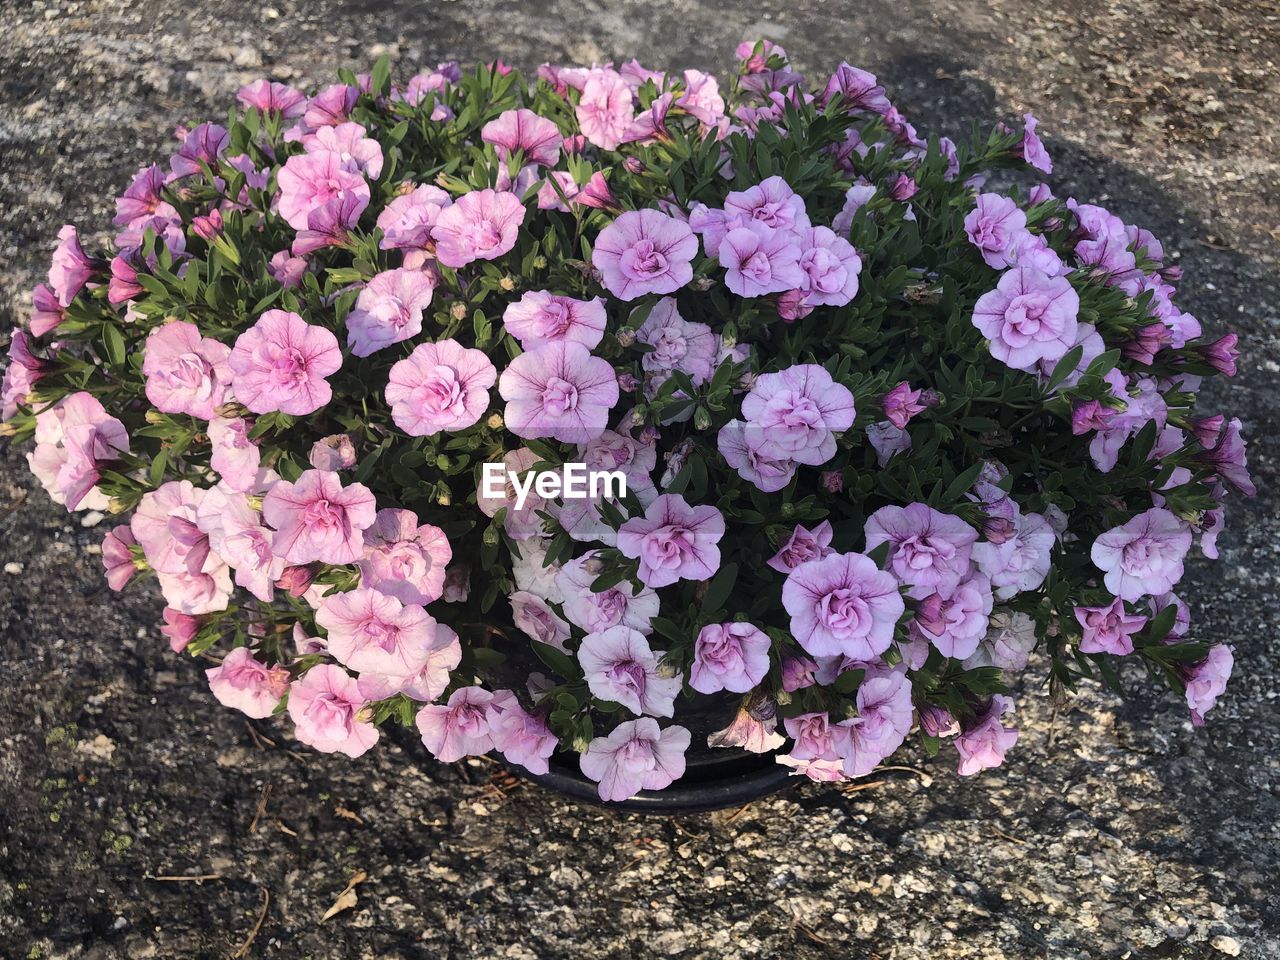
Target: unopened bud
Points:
(702, 284)
(494, 422)
(507, 283)
(626, 336)
(116, 506)
(458, 311)
(154, 416)
(702, 419)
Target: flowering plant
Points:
(885, 430)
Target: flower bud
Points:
(937, 721)
(458, 311)
(628, 382)
(507, 283)
(702, 418)
(626, 337)
(494, 422)
(634, 165)
(832, 481)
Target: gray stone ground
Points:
(1114, 831)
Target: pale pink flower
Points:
(677, 343)
(558, 390)
(533, 615)
(388, 310)
(929, 551)
(802, 546)
(481, 225)
(796, 414)
(234, 457)
(317, 518)
(537, 137)
(752, 734)
(759, 259)
(983, 742)
(459, 728)
(1207, 680)
(73, 439)
(521, 737)
(1108, 629)
(1020, 562)
(1029, 318)
(842, 604)
(621, 667)
(605, 110)
(310, 180)
(271, 97)
(237, 535)
(771, 203)
(334, 452)
(882, 724)
(281, 362)
(329, 713)
(179, 629)
(117, 558)
(673, 541)
(186, 373)
(405, 560)
(371, 632)
(956, 622)
(814, 737)
(729, 656)
(439, 387)
(701, 97)
(644, 251)
(244, 683)
(358, 152)
(768, 473)
(635, 756)
(1144, 555)
(540, 317)
(996, 226)
(70, 268)
(407, 220)
(439, 659)
(619, 605)
(830, 266)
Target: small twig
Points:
(855, 787)
(1008, 836)
(737, 813)
(178, 879)
(797, 925)
(262, 806)
(258, 738)
(346, 814)
(22, 498)
(285, 828)
(244, 947)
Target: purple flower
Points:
(70, 268)
(767, 473)
(887, 441)
(621, 667)
(795, 414)
(407, 220)
(1108, 629)
(636, 756)
(331, 105)
(537, 137)
(830, 266)
(771, 203)
(901, 404)
(842, 604)
(1207, 680)
(204, 143)
(802, 546)
(439, 387)
(1020, 562)
(813, 735)
(1222, 354)
(881, 725)
(858, 90)
(186, 373)
(1029, 317)
(619, 605)
(729, 656)
(388, 310)
(644, 251)
(47, 311)
(1143, 556)
(328, 225)
(459, 728)
(982, 742)
(928, 550)
(759, 259)
(310, 180)
(673, 541)
(541, 317)
(143, 199)
(558, 390)
(1031, 149)
(481, 225)
(677, 343)
(996, 226)
(281, 362)
(957, 622)
(1226, 455)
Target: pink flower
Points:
(534, 616)
(1029, 317)
(673, 541)
(329, 713)
(842, 604)
(983, 742)
(186, 373)
(729, 656)
(371, 632)
(814, 738)
(901, 404)
(143, 199)
(46, 310)
(521, 737)
(771, 203)
(439, 658)
(621, 667)
(204, 143)
(619, 605)
(281, 362)
(677, 343)
(1020, 562)
(459, 728)
(73, 438)
(179, 628)
(234, 457)
(636, 756)
(310, 180)
(237, 536)
(558, 390)
(388, 310)
(24, 372)
(407, 220)
(287, 270)
(70, 269)
(767, 473)
(882, 724)
(404, 560)
(439, 387)
(802, 546)
(317, 518)
(334, 452)
(759, 259)
(858, 90)
(644, 251)
(1207, 681)
(1143, 556)
(604, 110)
(358, 153)
(701, 97)
(481, 225)
(270, 97)
(1032, 150)
(752, 734)
(1108, 629)
(117, 558)
(537, 137)
(996, 226)
(955, 623)
(540, 317)
(248, 685)
(795, 414)
(328, 225)
(929, 551)
(830, 266)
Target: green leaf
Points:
(720, 587)
(113, 343)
